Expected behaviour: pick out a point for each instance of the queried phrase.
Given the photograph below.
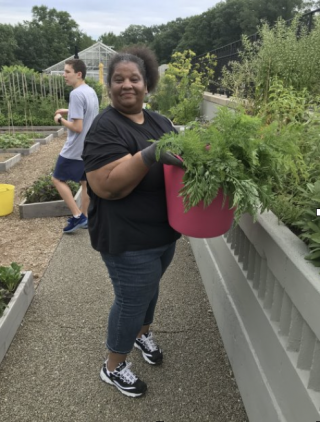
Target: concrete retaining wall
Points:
(10, 162)
(211, 104)
(47, 209)
(266, 299)
(15, 311)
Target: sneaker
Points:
(83, 227)
(75, 223)
(124, 380)
(151, 352)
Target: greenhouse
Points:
(95, 57)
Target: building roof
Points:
(92, 57)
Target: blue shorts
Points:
(67, 169)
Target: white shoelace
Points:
(126, 375)
(149, 343)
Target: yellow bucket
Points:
(6, 199)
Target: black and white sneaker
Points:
(124, 380)
(151, 352)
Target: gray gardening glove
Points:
(149, 157)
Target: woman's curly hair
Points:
(145, 60)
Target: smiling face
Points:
(128, 88)
(71, 77)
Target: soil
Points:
(30, 242)
(4, 156)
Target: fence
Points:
(230, 52)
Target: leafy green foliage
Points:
(2, 302)
(10, 276)
(8, 45)
(287, 105)
(48, 38)
(278, 81)
(238, 153)
(279, 55)
(19, 140)
(43, 190)
(28, 98)
(51, 35)
(180, 90)
(309, 222)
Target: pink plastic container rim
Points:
(198, 222)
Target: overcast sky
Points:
(96, 17)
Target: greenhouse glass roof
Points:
(92, 56)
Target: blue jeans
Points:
(135, 276)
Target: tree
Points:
(229, 20)
(195, 35)
(271, 10)
(32, 48)
(8, 46)
(167, 38)
(112, 40)
(137, 34)
(59, 31)
(83, 41)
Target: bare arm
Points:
(61, 111)
(118, 179)
(75, 125)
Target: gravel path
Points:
(30, 242)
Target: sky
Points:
(96, 17)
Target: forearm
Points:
(120, 180)
(74, 126)
(62, 111)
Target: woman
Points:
(127, 214)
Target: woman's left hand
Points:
(166, 157)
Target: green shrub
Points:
(18, 140)
(10, 278)
(278, 80)
(29, 98)
(278, 55)
(180, 90)
(43, 190)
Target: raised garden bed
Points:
(42, 137)
(54, 130)
(47, 209)
(265, 297)
(23, 151)
(15, 311)
(46, 139)
(8, 160)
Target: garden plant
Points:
(241, 154)
(278, 80)
(43, 190)
(180, 90)
(29, 98)
(10, 277)
(18, 140)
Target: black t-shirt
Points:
(138, 221)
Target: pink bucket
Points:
(199, 222)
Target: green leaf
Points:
(315, 237)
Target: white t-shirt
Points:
(84, 105)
